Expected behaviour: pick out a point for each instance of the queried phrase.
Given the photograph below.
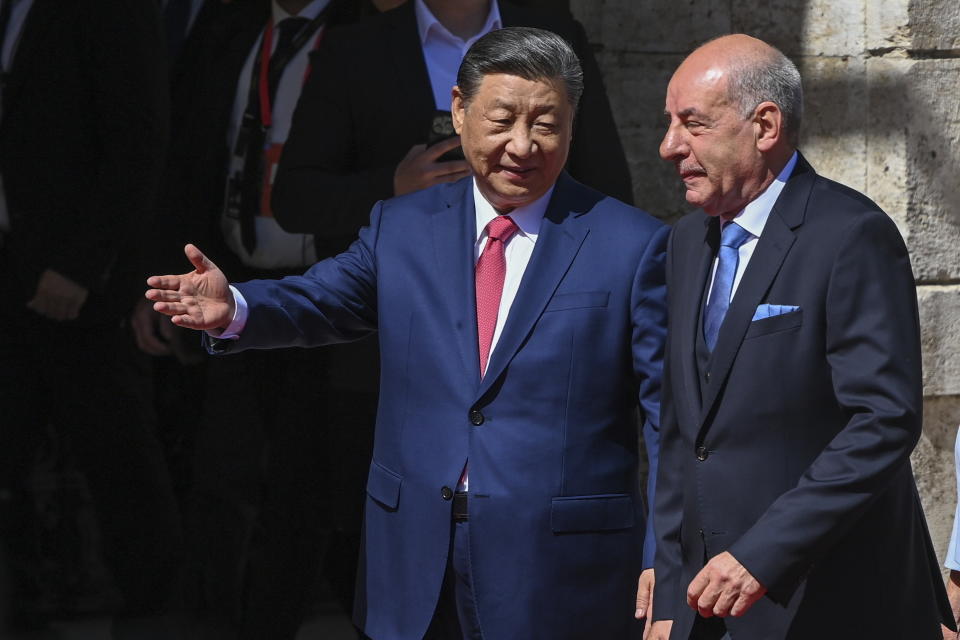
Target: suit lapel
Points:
(560, 238)
(454, 228)
(691, 286)
(771, 251)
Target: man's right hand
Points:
(420, 168)
(659, 630)
(199, 300)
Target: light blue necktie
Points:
(729, 256)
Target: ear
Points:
(768, 124)
(457, 109)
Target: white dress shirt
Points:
(276, 248)
(18, 16)
(444, 51)
(753, 218)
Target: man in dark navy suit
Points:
(786, 505)
(521, 321)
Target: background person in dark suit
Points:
(514, 353)
(793, 392)
(82, 138)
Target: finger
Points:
(643, 597)
(707, 601)
(199, 261)
(697, 585)
(440, 169)
(171, 283)
(722, 607)
(743, 603)
(164, 295)
(440, 148)
(145, 338)
(170, 308)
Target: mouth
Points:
(517, 173)
(690, 173)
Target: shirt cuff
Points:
(240, 313)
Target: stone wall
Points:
(882, 83)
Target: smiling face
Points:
(515, 135)
(713, 146)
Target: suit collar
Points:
(41, 17)
(406, 52)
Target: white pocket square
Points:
(770, 310)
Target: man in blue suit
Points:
(521, 318)
(792, 385)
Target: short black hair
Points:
(532, 54)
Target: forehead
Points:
(697, 88)
(510, 91)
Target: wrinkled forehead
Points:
(700, 86)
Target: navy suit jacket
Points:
(791, 448)
(556, 517)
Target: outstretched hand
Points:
(199, 300)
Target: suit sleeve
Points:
(873, 350)
(130, 99)
(596, 154)
(319, 189)
(649, 332)
(668, 506)
(334, 301)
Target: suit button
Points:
(446, 493)
(702, 453)
(476, 418)
(707, 376)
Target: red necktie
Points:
(491, 270)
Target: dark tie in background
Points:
(491, 271)
(729, 257)
(252, 182)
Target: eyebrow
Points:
(690, 111)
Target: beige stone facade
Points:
(882, 82)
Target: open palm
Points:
(200, 299)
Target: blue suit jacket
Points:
(557, 523)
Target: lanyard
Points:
(266, 77)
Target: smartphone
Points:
(441, 128)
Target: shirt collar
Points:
(309, 12)
(527, 217)
(428, 24)
(754, 216)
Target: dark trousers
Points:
(72, 381)
(265, 505)
(456, 617)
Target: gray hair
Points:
(775, 79)
(532, 54)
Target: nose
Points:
(672, 146)
(521, 143)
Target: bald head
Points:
(750, 72)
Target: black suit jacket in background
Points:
(369, 100)
(790, 447)
(82, 139)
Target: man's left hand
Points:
(723, 588)
(58, 297)
(947, 634)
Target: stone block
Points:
(814, 27)
(833, 137)
(934, 469)
(914, 157)
(940, 339)
(913, 25)
(653, 26)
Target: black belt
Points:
(460, 513)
